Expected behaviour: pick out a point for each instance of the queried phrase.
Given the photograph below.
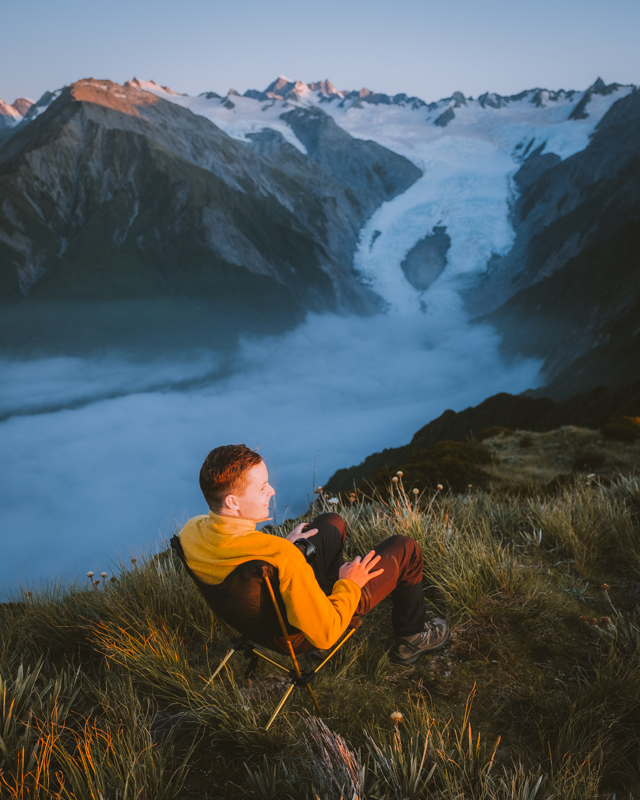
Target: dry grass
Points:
(547, 455)
(107, 693)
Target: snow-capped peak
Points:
(9, 115)
(152, 86)
(23, 104)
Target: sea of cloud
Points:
(100, 458)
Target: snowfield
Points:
(468, 165)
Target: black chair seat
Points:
(243, 601)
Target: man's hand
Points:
(359, 570)
(299, 533)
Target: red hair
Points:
(224, 472)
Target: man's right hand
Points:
(359, 570)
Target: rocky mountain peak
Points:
(299, 89)
(279, 84)
(22, 105)
(325, 88)
(280, 88)
(598, 87)
(284, 89)
(152, 86)
(9, 115)
(491, 99)
(126, 99)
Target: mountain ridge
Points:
(574, 298)
(283, 89)
(340, 201)
(181, 209)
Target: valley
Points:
(316, 272)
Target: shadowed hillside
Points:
(569, 289)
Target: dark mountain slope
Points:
(518, 412)
(585, 318)
(369, 169)
(113, 195)
(569, 291)
(564, 206)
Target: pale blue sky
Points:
(415, 46)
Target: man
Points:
(321, 598)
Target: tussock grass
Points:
(106, 689)
(537, 458)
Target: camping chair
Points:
(249, 601)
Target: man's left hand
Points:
(299, 533)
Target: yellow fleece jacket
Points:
(215, 545)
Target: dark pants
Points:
(401, 560)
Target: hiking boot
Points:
(410, 648)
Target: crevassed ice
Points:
(466, 186)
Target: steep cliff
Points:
(569, 290)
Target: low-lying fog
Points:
(101, 457)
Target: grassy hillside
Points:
(106, 692)
(591, 409)
(509, 462)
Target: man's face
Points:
(253, 503)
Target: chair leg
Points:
(313, 697)
(335, 650)
(280, 705)
(270, 660)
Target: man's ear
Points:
(230, 502)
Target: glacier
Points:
(468, 165)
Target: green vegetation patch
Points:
(454, 465)
(493, 430)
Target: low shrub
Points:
(454, 465)
(490, 433)
(622, 429)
